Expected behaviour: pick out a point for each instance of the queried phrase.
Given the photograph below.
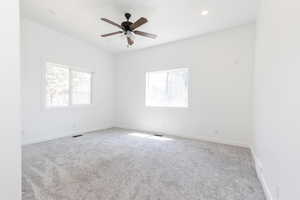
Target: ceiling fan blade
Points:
(109, 34)
(112, 23)
(149, 35)
(138, 23)
(130, 41)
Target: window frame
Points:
(70, 69)
(168, 70)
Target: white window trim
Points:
(168, 106)
(70, 105)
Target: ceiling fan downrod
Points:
(127, 15)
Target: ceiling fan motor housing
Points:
(127, 23)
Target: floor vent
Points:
(75, 136)
(158, 135)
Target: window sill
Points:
(72, 107)
(179, 107)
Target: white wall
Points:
(277, 97)
(10, 151)
(220, 67)
(41, 44)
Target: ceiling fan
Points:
(128, 28)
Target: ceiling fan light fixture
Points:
(130, 34)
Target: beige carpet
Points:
(119, 164)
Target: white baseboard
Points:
(259, 170)
(220, 141)
(62, 135)
(203, 138)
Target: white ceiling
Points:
(171, 20)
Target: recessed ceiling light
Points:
(204, 12)
(52, 12)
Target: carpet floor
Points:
(118, 164)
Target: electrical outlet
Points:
(216, 132)
(74, 126)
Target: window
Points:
(81, 88)
(65, 86)
(57, 90)
(167, 88)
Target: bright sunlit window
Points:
(66, 87)
(167, 88)
(81, 88)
